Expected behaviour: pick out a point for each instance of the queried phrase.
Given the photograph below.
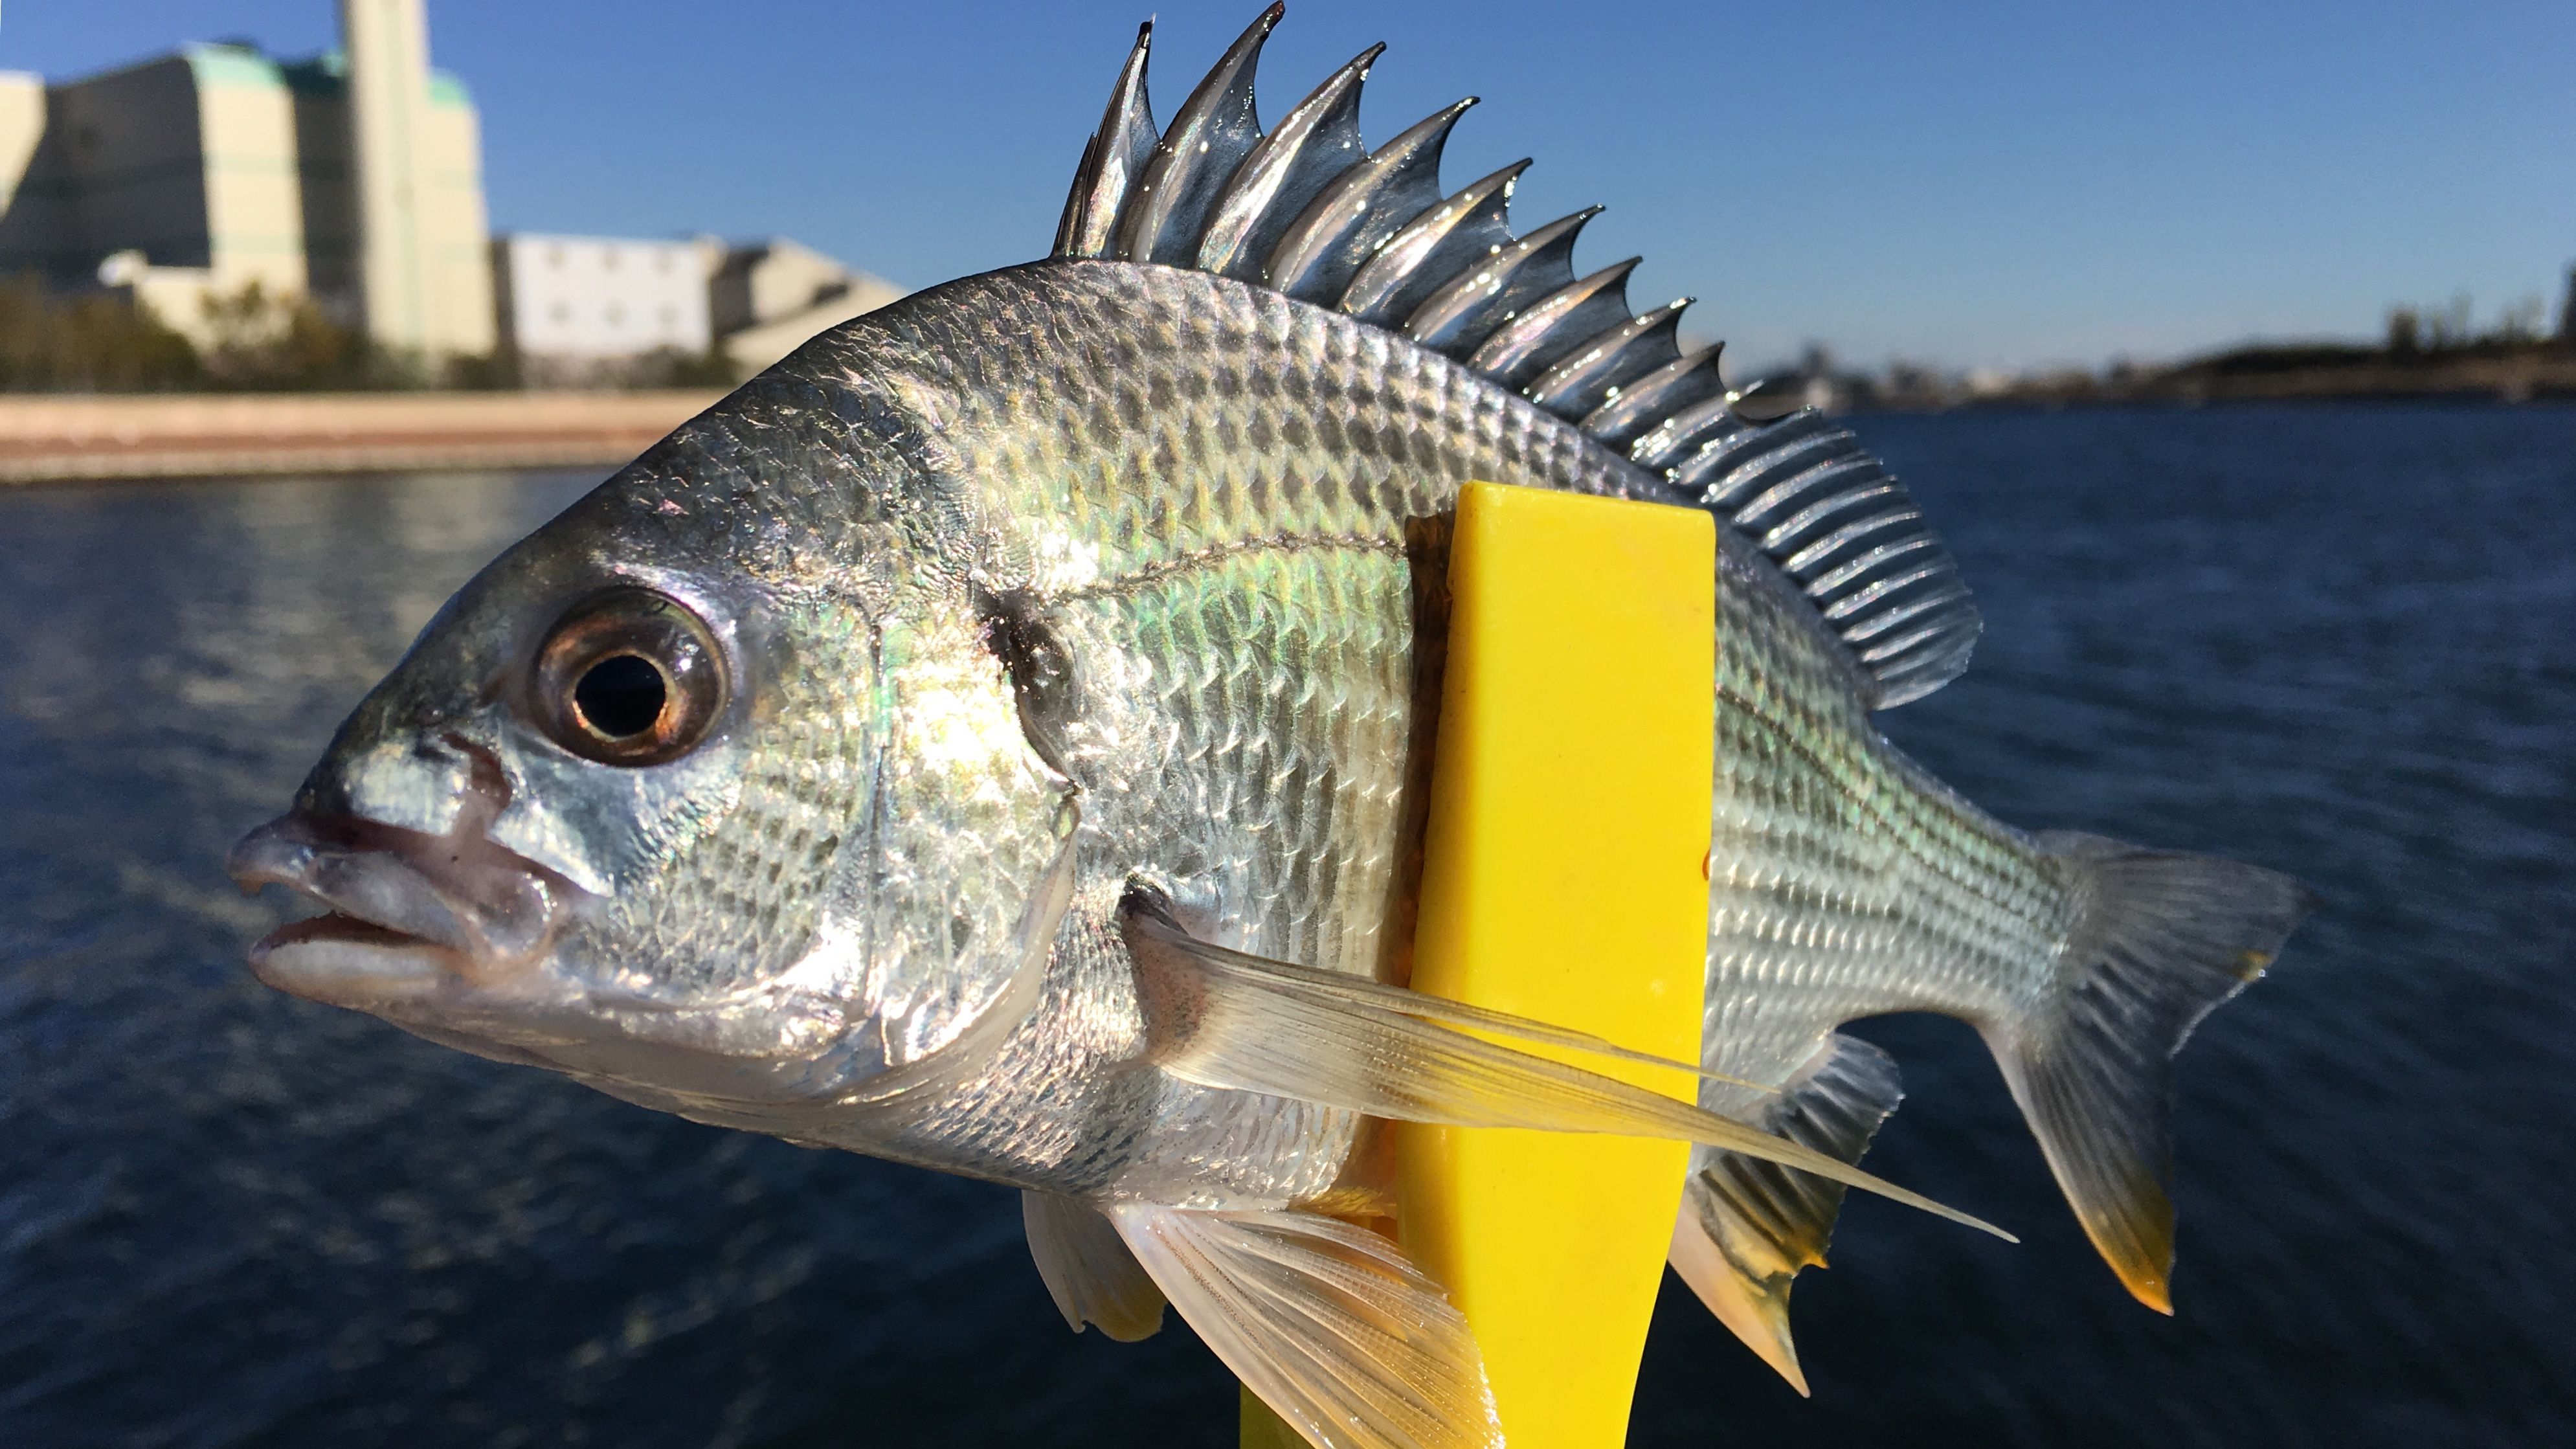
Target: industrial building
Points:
(766, 298)
(355, 178)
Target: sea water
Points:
(2337, 641)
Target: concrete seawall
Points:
(47, 438)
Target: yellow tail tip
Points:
(2149, 1289)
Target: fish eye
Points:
(628, 677)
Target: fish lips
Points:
(410, 916)
(452, 936)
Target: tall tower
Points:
(388, 47)
(424, 279)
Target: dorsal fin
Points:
(1305, 209)
(1305, 152)
(1215, 129)
(1840, 525)
(1113, 162)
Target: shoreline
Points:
(48, 438)
(2320, 373)
(63, 438)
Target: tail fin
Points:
(2159, 940)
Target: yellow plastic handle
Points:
(1565, 878)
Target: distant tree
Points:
(1914, 385)
(2520, 323)
(674, 367)
(2567, 311)
(499, 370)
(86, 344)
(2405, 331)
(263, 341)
(2450, 324)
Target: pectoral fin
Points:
(1327, 1322)
(1223, 1019)
(1088, 1270)
(1360, 991)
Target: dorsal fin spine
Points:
(1307, 211)
(1064, 222)
(1467, 309)
(1309, 148)
(1468, 226)
(1556, 324)
(1209, 137)
(1361, 210)
(1634, 410)
(1114, 161)
(1622, 352)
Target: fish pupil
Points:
(621, 696)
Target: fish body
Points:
(995, 739)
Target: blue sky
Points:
(1967, 183)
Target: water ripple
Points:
(2330, 640)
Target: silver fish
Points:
(995, 737)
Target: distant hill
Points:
(2501, 369)
(2512, 370)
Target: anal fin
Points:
(1349, 1343)
(1088, 1270)
(1747, 1227)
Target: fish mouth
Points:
(408, 916)
(452, 937)
(344, 960)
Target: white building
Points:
(567, 301)
(423, 283)
(572, 306)
(766, 298)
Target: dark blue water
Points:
(2340, 642)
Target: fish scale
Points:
(1846, 921)
(1248, 760)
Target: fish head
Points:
(714, 787)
